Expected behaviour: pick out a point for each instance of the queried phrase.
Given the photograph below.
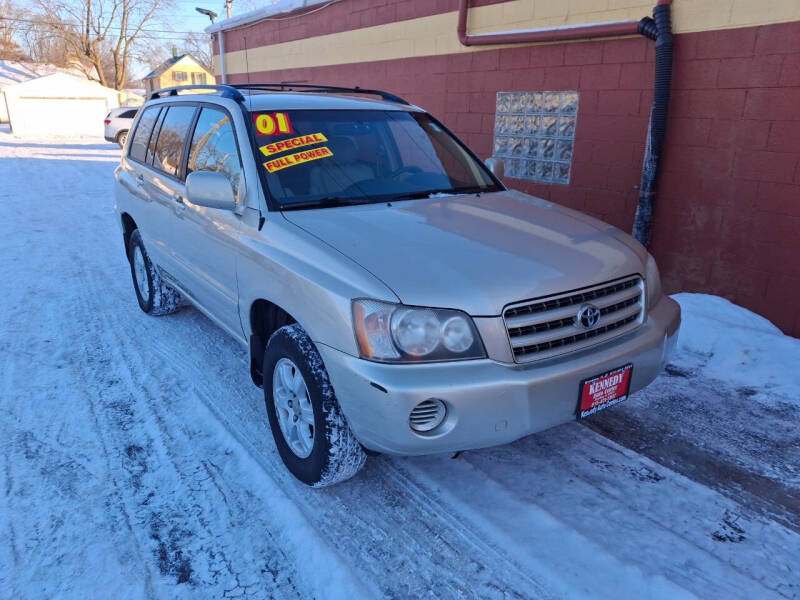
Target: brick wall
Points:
(728, 221)
(728, 214)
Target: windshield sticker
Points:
(292, 160)
(273, 124)
(292, 143)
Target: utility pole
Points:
(228, 7)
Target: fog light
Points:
(427, 415)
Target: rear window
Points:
(142, 134)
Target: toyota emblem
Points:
(588, 316)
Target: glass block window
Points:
(534, 134)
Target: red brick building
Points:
(727, 218)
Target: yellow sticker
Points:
(298, 158)
(273, 124)
(292, 143)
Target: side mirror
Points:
(497, 167)
(211, 189)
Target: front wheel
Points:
(311, 433)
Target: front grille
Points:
(542, 328)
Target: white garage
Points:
(59, 105)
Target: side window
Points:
(128, 114)
(171, 139)
(142, 134)
(151, 147)
(214, 146)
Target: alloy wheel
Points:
(140, 273)
(293, 407)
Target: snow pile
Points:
(731, 343)
(271, 8)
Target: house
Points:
(562, 92)
(59, 105)
(132, 97)
(13, 72)
(181, 69)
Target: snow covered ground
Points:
(136, 461)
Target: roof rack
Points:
(306, 87)
(226, 91)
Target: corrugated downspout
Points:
(660, 29)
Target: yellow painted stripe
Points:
(436, 35)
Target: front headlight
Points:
(653, 282)
(397, 333)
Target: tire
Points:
(319, 454)
(121, 137)
(155, 297)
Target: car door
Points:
(205, 240)
(133, 174)
(163, 182)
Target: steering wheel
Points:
(404, 171)
(353, 188)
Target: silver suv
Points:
(393, 295)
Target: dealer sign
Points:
(604, 390)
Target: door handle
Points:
(137, 187)
(180, 207)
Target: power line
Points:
(141, 35)
(79, 26)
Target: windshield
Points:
(313, 158)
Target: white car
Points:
(118, 122)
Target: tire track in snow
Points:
(187, 523)
(67, 461)
(608, 495)
(98, 378)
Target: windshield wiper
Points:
(326, 202)
(428, 193)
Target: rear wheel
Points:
(155, 297)
(122, 136)
(311, 433)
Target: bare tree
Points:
(9, 30)
(199, 46)
(196, 44)
(101, 32)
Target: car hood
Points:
(476, 253)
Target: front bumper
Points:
(488, 402)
